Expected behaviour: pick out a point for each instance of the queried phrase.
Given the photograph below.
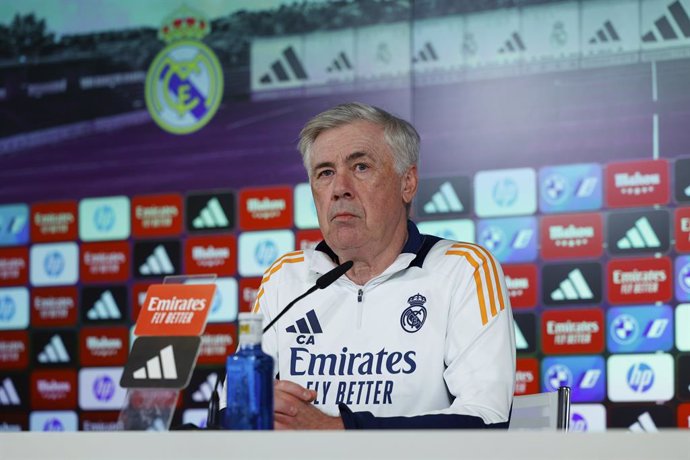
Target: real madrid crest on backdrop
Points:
(184, 84)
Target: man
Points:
(419, 332)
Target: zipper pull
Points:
(360, 293)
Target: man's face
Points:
(360, 198)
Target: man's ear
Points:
(409, 184)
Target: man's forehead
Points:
(356, 137)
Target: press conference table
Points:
(417, 445)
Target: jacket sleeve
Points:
(479, 352)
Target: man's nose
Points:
(342, 186)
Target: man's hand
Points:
(293, 409)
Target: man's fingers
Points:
(282, 422)
(295, 390)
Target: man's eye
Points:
(325, 173)
(361, 167)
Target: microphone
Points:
(213, 416)
(323, 282)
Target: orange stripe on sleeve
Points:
(279, 266)
(487, 275)
(477, 282)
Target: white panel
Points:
(436, 44)
(383, 51)
(488, 38)
(329, 57)
(270, 54)
(610, 27)
(657, 13)
(551, 31)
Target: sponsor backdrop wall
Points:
(146, 139)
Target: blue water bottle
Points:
(249, 380)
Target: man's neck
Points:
(369, 263)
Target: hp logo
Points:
(578, 423)
(265, 253)
(505, 192)
(559, 375)
(624, 329)
(103, 388)
(104, 218)
(53, 424)
(555, 188)
(54, 264)
(640, 377)
(7, 308)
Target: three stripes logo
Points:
(575, 284)
(211, 216)
(572, 288)
(279, 68)
(672, 27)
(309, 324)
(426, 54)
(606, 34)
(443, 201)
(104, 308)
(514, 44)
(161, 366)
(204, 391)
(638, 232)
(54, 352)
(446, 195)
(640, 236)
(155, 259)
(210, 211)
(644, 424)
(525, 332)
(8, 394)
(157, 263)
(340, 64)
(161, 362)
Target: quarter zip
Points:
(360, 307)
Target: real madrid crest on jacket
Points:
(433, 334)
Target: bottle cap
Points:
(250, 328)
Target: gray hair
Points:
(399, 134)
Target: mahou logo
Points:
(54, 222)
(156, 215)
(572, 331)
(521, 281)
(526, 376)
(639, 280)
(213, 254)
(266, 208)
(637, 183)
(572, 236)
(54, 389)
(105, 262)
(100, 346)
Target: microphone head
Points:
(329, 278)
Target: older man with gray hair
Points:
(419, 332)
